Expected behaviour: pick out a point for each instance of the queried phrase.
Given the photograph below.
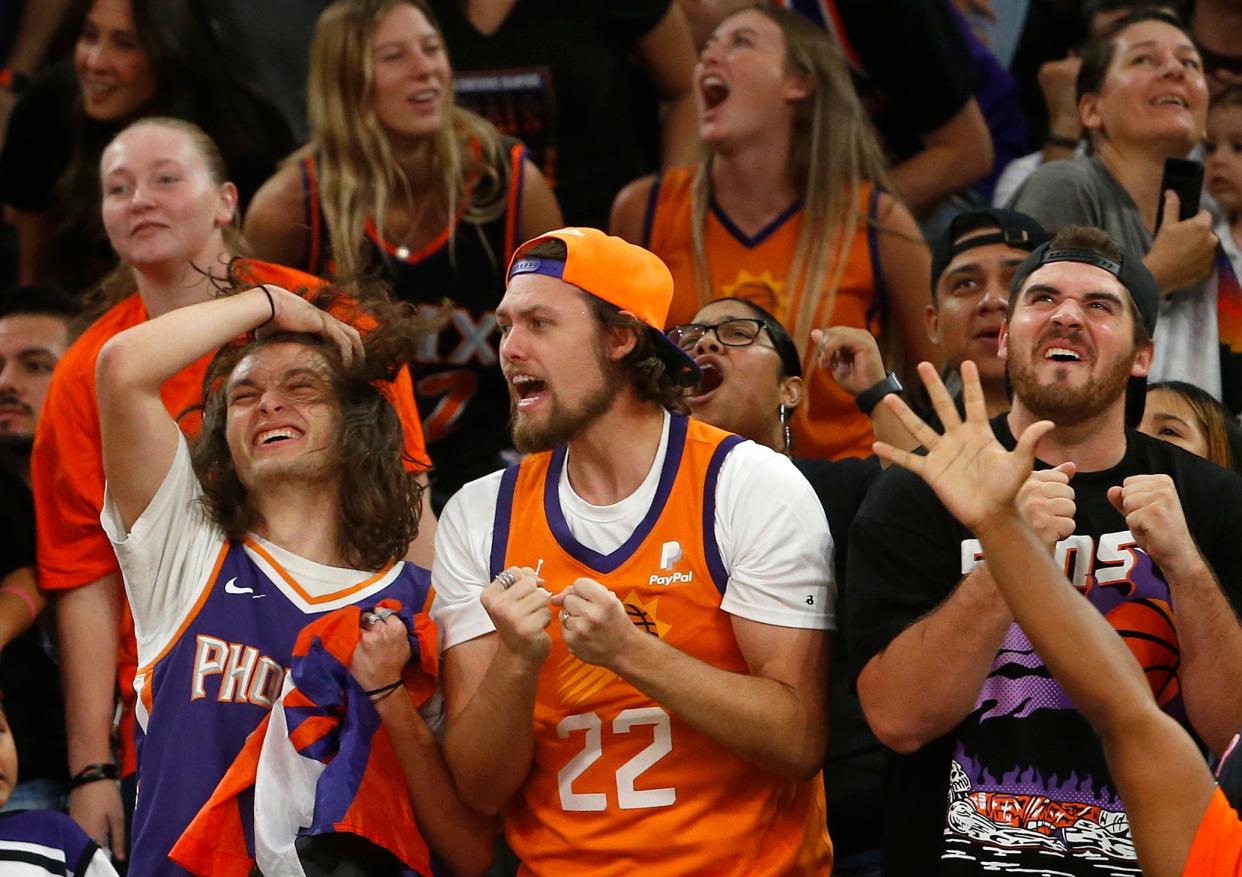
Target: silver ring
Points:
(368, 619)
(507, 579)
(384, 614)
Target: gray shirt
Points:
(1081, 191)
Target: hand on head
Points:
(974, 476)
(292, 313)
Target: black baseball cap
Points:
(1131, 272)
(1013, 229)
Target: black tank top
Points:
(462, 396)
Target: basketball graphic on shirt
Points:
(1147, 627)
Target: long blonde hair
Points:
(833, 153)
(358, 174)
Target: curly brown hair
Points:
(644, 365)
(380, 501)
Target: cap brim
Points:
(679, 363)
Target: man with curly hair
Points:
(292, 501)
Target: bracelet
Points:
(271, 302)
(24, 597)
(93, 773)
(1061, 140)
(375, 695)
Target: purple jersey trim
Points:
(715, 565)
(607, 563)
(500, 525)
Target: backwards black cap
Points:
(1132, 274)
(1014, 229)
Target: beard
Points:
(20, 443)
(561, 423)
(1066, 405)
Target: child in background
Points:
(1223, 169)
(41, 841)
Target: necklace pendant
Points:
(403, 252)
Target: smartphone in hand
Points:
(1185, 177)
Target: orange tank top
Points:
(619, 786)
(827, 425)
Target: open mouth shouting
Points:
(710, 379)
(527, 390)
(714, 90)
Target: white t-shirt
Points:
(169, 553)
(770, 528)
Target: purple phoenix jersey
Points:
(219, 676)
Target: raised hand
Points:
(971, 472)
(852, 356)
(292, 313)
(1154, 516)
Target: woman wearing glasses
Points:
(752, 385)
(786, 210)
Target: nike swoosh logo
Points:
(231, 587)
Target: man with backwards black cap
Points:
(943, 673)
(972, 265)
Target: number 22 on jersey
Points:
(626, 722)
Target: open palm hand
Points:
(971, 472)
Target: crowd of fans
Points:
(894, 336)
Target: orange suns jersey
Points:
(619, 785)
(1217, 848)
(756, 268)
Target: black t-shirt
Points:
(854, 765)
(915, 65)
(29, 679)
(1023, 774)
(559, 76)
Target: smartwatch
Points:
(870, 397)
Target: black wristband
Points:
(375, 695)
(1061, 140)
(271, 302)
(93, 773)
(870, 397)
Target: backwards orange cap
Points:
(618, 272)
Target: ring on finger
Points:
(384, 614)
(368, 619)
(507, 578)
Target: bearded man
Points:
(1147, 532)
(672, 720)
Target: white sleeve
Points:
(460, 570)
(166, 556)
(774, 541)
(99, 866)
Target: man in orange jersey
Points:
(1182, 823)
(671, 720)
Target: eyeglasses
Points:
(739, 332)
